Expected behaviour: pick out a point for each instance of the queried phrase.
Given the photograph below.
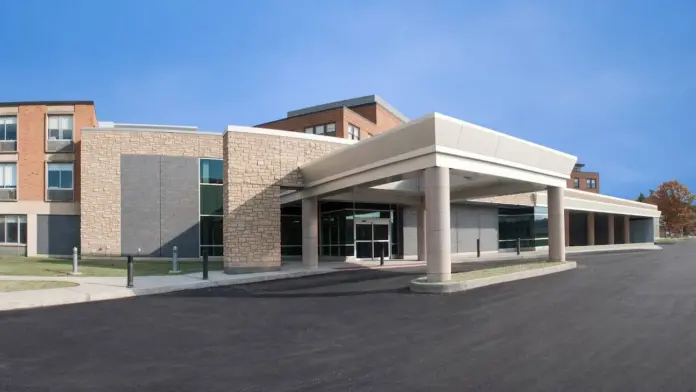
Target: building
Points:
(427, 188)
(586, 181)
(354, 119)
(40, 175)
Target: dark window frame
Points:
(576, 182)
(313, 129)
(591, 183)
(352, 135)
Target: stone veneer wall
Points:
(100, 207)
(256, 166)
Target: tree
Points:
(641, 198)
(676, 203)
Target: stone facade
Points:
(100, 207)
(257, 165)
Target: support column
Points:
(556, 224)
(437, 224)
(590, 229)
(421, 232)
(33, 236)
(566, 219)
(627, 230)
(310, 232)
(611, 228)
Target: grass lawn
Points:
(116, 267)
(484, 273)
(23, 285)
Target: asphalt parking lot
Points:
(620, 322)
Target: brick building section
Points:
(100, 207)
(255, 168)
(31, 146)
(371, 119)
(583, 176)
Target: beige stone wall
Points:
(100, 207)
(256, 167)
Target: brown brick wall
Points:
(256, 166)
(31, 137)
(367, 111)
(298, 124)
(583, 184)
(386, 120)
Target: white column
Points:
(310, 232)
(590, 229)
(33, 236)
(437, 224)
(556, 224)
(420, 232)
(610, 228)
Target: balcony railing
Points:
(60, 146)
(8, 194)
(59, 195)
(8, 145)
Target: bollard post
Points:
(175, 261)
(381, 256)
(74, 262)
(129, 283)
(518, 246)
(478, 247)
(205, 265)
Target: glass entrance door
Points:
(372, 238)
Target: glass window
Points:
(319, 129)
(576, 182)
(8, 128)
(60, 176)
(211, 230)
(8, 175)
(211, 200)
(331, 129)
(2, 229)
(12, 229)
(22, 229)
(353, 132)
(212, 250)
(290, 230)
(211, 171)
(309, 130)
(60, 127)
(591, 183)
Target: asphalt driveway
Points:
(621, 322)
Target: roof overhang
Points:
(436, 140)
(592, 202)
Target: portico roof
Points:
(481, 159)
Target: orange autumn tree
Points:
(676, 203)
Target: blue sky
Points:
(609, 81)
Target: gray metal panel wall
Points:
(57, 234)
(159, 205)
(467, 223)
(179, 206)
(140, 204)
(410, 231)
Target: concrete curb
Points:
(73, 295)
(420, 285)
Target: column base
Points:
(235, 270)
(437, 278)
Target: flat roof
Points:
(352, 102)
(22, 103)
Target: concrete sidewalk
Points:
(104, 288)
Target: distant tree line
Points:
(676, 203)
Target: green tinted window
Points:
(211, 200)
(211, 171)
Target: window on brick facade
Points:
(576, 183)
(591, 183)
(60, 127)
(322, 129)
(13, 229)
(353, 132)
(8, 128)
(8, 175)
(60, 175)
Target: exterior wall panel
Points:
(179, 206)
(140, 205)
(57, 234)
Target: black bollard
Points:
(205, 265)
(518, 246)
(381, 256)
(478, 247)
(129, 284)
